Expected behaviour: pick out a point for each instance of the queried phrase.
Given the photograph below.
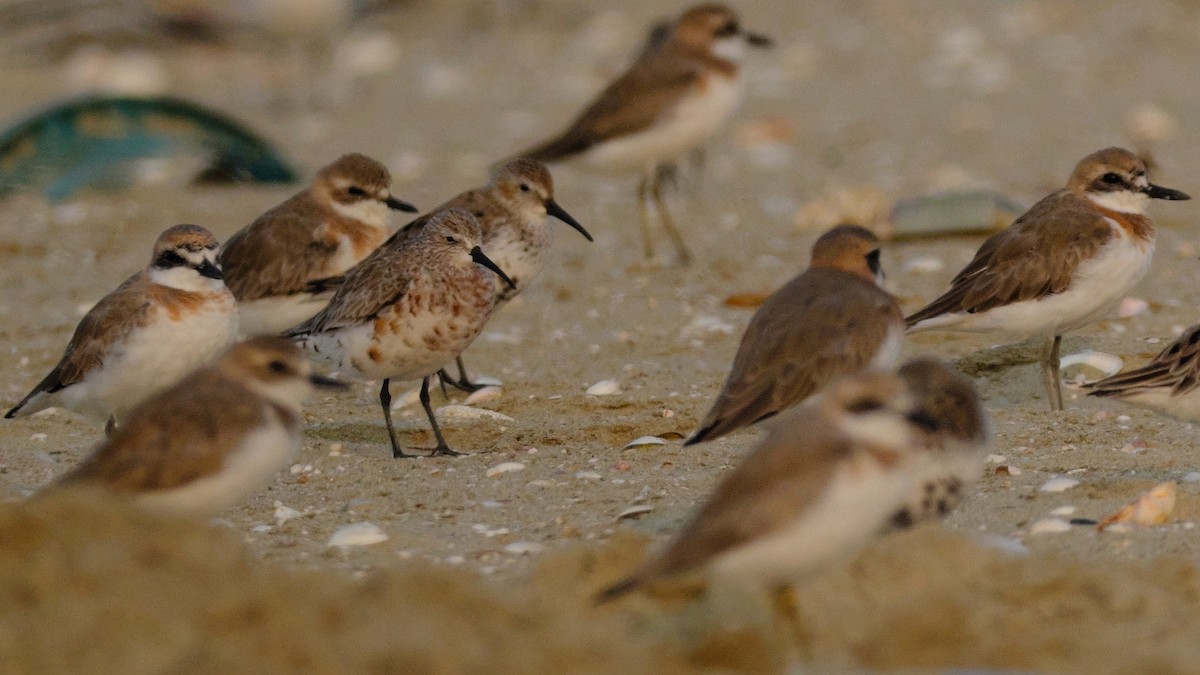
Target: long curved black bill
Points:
(478, 256)
(207, 269)
(1158, 192)
(553, 209)
(397, 205)
(326, 382)
(759, 40)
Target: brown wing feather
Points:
(370, 286)
(277, 254)
(774, 483)
(631, 103)
(110, 321)
(174, 438)
(1176, 367)
(1036, 256)
(822, 324)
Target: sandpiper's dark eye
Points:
(864, 405)
(451, 240)
(1111, 178)
(356, 191)
(728, 29)
(277, 367)
(524, 187)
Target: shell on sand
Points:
(1152, 508)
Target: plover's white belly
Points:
(268, 316)
(860, 499)
(1098, 286)
(689, 125)
(259, 456)
(153, 358)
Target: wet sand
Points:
(494, 572)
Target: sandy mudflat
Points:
(903, 98)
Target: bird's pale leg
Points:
(442, 450)
(668, 223)
(644, 213)
(1050, 376)
(385, 399)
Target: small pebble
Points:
(644, 441)
(357, 534)
(587, 475)
(604, 388)
(1192, 477)
(486, 394)
(524, 548)
(1050, 526)
(1063, 511)
(506, 467)
(1060, 484)
(635, 511)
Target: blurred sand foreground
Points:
(492, 573)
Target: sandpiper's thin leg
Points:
(385, 399)
(668, 223)
(644, 213)
(442, 450)
(463, 383)
(1050, 375)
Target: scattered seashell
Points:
(1063, 511)
(958, 212)
(1049, 526)
(1151, 508)
(285, 513)
(462, 412)
(357, 534)
(488, 381)
(644, 441)
(604, 388)
(1135, 446)
(745, 300)
(1192, 477)
(587, 475)
(489, 532)
(39, 436)
(1132, 307)
(524, 548)
(1059, 484)
(635, 511)
(1090, 362)
(704, 326)
(996, 459)
(506, 467)
(488, 393)
(410, 397)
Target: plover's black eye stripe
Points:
(864, 405)
(873, 261)
(1111, 178)
(168, 259)
(356, 191)
(728, 29)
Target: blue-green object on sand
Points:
(96, 141)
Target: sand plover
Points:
(214, 437)
(831, 320)
(951, 426)
(410, 307)
(141, 338)
(671, 101)
(281, 267)
(1169, 383)
(1062, 265)
(513, 211)
(825, 480)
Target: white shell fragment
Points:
(285, 513)
(1152, 508)
(463, 412)
(644, 441)
(357, 534)
(1059, 484)
(1091, 366)
(635, 511)
(1049, 526)
(488, 393)
(1131, 307)
(524, 548)
(604, 388)
(410, 397)
(507, 467)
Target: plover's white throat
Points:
(670, 102)
(212, 438)
(1062, 265)
(410, 307)
(831, 320)
(824, 481)
(513, 211)
(282, 267)
(141, 338)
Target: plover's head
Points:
(850, 248)
(1116, 179)
(274, 368)
(946, 401)
(872, 407)
(185, 257)
(525, 186)
(714, 28)
(358, 187)
(455, 234)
